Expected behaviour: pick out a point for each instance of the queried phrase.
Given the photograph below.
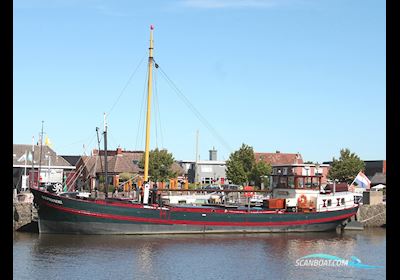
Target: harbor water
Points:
(217, 256)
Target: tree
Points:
(125, 176)
(260, 169)
(160, 163)
(241, 167)
(240, 164)
(346, 168)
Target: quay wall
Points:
(372, 215)
(24, 215)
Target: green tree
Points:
(241, 167)
(125, 176)
(260, 169)
(240, 164)
(160, 163)
(346, 168)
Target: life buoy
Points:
(302, 199)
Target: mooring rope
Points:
(372, 217)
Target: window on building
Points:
(329, 202)
(342, 201)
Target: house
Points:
(28, 160)
(91, 168)
(206, 171)
(279, 158)
(378, 178)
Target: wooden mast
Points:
(149, 92)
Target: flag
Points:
(47, 142)
(362, 180)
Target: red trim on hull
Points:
(198, 223)
(174, 209)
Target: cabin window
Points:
(307, 182)
(300, 182)
(282, 182)
(275, 181)
(291, 182)
(315, 182)
(342, 201)
(329, 202)
(305, 171)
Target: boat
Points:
(290, 209)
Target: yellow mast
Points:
(146, 152)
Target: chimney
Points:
(213, 154)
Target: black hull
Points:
(60, 214)
(46, 226)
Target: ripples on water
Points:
(228, 256)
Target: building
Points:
(28, 159)
(373, 167)
(279, 158)
(210, 171)
(91, 168)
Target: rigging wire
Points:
(140, 133)
(199, 116)
(158, 108)
(116, 101)
(126, 85)
(98, 145)
(157, 112)
(81, 168)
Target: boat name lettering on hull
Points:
(52, 200)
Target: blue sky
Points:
(305, 76)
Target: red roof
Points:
(117, 162)
(279, 158)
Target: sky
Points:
(306, 76)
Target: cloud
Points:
(219, 4)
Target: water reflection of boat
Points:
(290, 209)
